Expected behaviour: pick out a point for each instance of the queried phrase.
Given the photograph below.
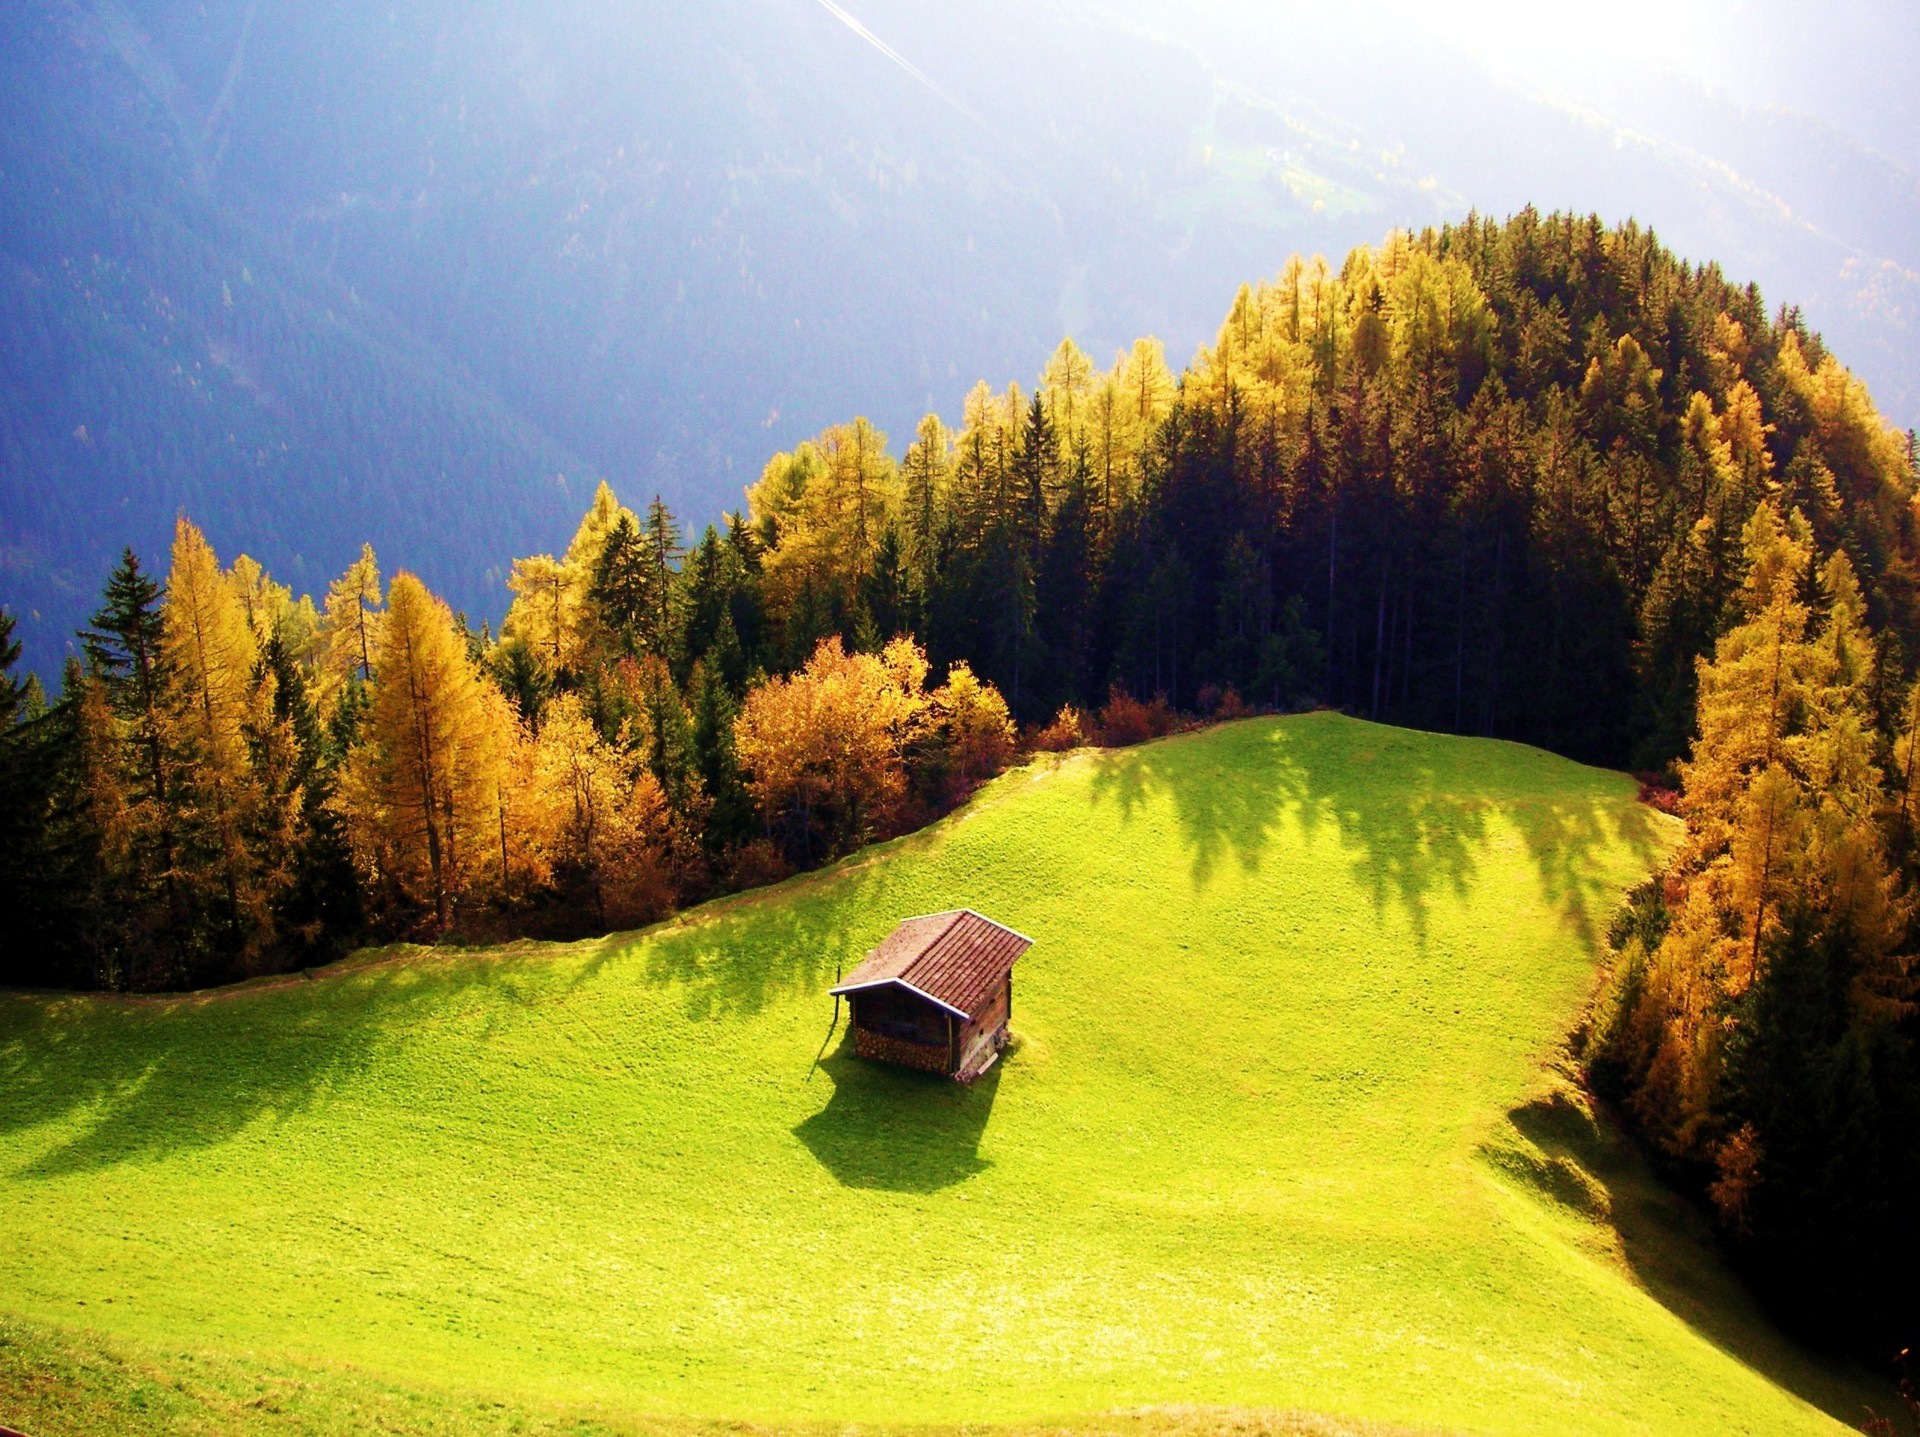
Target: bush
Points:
(756, 863)
(975, 733)
(1125, 720)
(1068, 730)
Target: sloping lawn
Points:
(1281, 1130)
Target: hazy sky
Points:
(1854, 64)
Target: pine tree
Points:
(663, 555)
(886, 594)
(621, 593)
(318, 907)
(580, 567)
(928, 475)
(730, 815)
(40, 881)
(1065, 585)
(128, 777)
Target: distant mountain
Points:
(420, 273)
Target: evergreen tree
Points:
(127, 786)
(40, 882)
(318, 908)
(663, 555)
(886, 595)
(621, 594)
(1065, 586)
(730, 815)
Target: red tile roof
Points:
(958, 959)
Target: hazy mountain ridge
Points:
(164, 356)
(566, 240)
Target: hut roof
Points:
(956, 959)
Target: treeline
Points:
(236, 781)
(1759, 1022)
(1490, 479)
(1536, 479)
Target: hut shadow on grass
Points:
(898, 1130)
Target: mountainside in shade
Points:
(162, 355)
(1282, 1127)
(305, 270)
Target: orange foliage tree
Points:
(825, 750)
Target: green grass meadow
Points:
(1284, 1130)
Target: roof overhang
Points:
(848, 989)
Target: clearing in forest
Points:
(1284, 1126)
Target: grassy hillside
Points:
(1281, 1131)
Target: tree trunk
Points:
(1379, 642)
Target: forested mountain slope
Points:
(161, 353)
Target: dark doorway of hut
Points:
(936, 995)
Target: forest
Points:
(1536, 479)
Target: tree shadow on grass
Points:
(151, 1077)
(1581, 1158)
(739, 959)
(1412, 808)
(737, 955)
(895, 1129)
(142, 1079)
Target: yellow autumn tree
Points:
(583, 550)
(543, 613)
(255, 591)
(971, 720)
(550, 612)
(210, 651)
(429, 794)
(604, 820)
(927, 482)
(1129, 406)
(580, 565)
(1066, 389)
(1781, 797)
(349, 636)
(825, 507)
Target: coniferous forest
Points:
(1537, 480)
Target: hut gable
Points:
(956, 960)
(937, 993)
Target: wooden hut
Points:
(937, 994)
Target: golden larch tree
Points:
(349, 636)
(436, 753)
(211, 652)
(544, 612)
(603, 818)
(973, 725)
(824, 749)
